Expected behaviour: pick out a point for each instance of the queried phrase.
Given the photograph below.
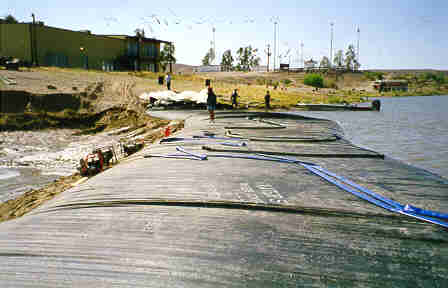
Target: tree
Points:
(9, 20)
(339, 59)
(140, 33)
(314, 80)
(227, 60)
(247, 58)
(167, 55)
(325, 62)
(351, 63)
(208, 58)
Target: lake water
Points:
(411, 129)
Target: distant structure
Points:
(391, 85)
(310, 64)
(207, 68)
(37, 44)
(284, 67)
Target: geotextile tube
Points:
(182, 216)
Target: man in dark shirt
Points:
(168, 81)
(267, 100)
(211, 103)
(234, 98)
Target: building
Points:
(391, 85)
(310, 64)
(37, 44)
(208, 68)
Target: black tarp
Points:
(163, 222)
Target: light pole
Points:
(275, 44)
(170, 56)
(331, 45)
(303, 64)
(214, 44)
(268, 52)
(357, 49)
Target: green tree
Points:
(325, 62)
(314, 80)
(440, 78)
(9, 20)
(351, 63)
(339, 59)
(140, 33)
(167, 55)
(227, 61)
(208, 58)
(247, 58)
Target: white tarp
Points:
(164, 97)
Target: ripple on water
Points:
(6, 173)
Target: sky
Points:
(398, 34)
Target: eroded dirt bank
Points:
(50, 121)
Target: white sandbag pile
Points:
(170, 97)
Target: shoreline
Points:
(31, 199)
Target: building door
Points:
(85, 61)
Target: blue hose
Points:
(407, 208)
(199, 156)
(371, 196)
(196, 141)
(219, 138)
(172, 156)
(342, 183)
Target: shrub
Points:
(440, 78)
(371, 75)
(286, 82)
(314, 80)
(260, 81)
(329, 83)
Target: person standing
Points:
(267, 100)
(168, 81)
(211, 103)
(234, 98)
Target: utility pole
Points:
(33, 44)
(275, 44)
(171, 59)
(303, 64)
(214, 44)
(357, 49)
(268, 53)
(331, 45)
(33, 60)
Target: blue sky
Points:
(394, 34)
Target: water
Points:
(411, 129)
(8, 173)
(32, 159)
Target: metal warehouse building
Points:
(48, 46)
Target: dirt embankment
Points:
(89, 102)
(56, 99)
